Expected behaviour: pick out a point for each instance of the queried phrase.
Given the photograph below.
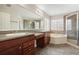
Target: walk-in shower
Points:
(72, 28)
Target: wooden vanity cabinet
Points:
(40, 40)
(43, 39)
(19, 46)
(47, 38)
(10, 47)
(28, 45)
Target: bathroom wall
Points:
(46, 23)
(78, 28)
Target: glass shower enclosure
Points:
(72, 28)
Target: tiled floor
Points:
(58, 50)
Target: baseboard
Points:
(73, 45)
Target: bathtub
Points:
(58, 38)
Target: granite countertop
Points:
(37, 34)
(16, 35)
(13, 35)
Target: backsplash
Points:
(18, 31)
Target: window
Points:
(57, 24)
(68, 24)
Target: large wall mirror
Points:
(72, 28)
(17, 17)
(31, 24)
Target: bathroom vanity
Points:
(43, 39)
(17, 44)
(22, 43)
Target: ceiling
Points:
(57, 9)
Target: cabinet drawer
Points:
(26, 44)
(28, 38)
(8, 44)
(11, 51)
(30, 52)
(29, 49)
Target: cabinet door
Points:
(11, 51)
(40, 41)
(28, 45)
(10, 48)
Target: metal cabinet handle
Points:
(20, 47)
(29, 49)
(29, 43)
